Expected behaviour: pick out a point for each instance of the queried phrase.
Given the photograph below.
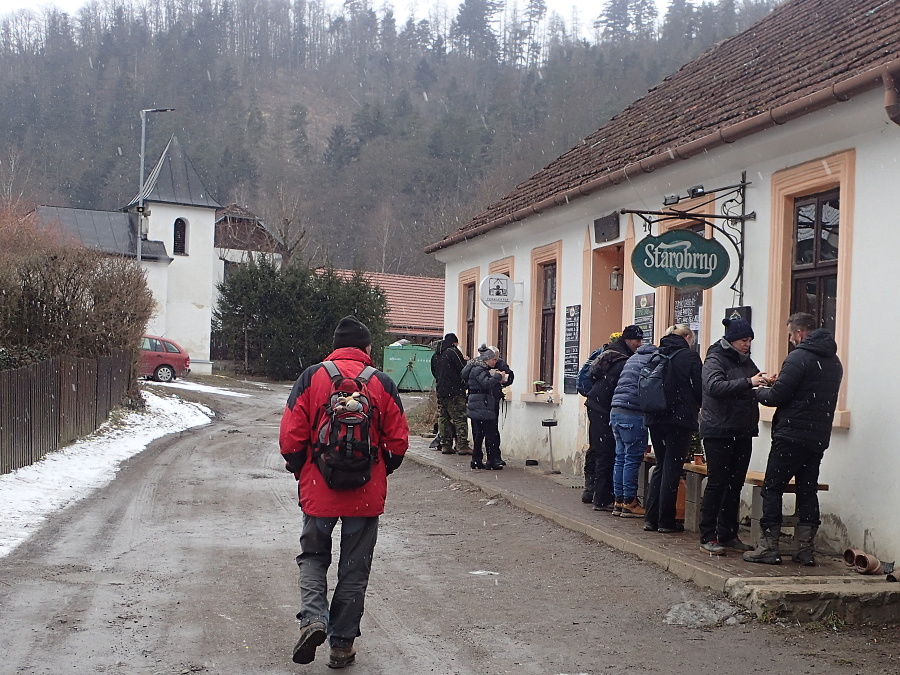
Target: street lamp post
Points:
(140, 207)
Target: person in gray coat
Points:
(482, 379)
(729, 419)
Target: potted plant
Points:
(540, 386)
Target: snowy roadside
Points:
(29, 495)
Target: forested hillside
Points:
(370, 133)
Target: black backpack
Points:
(342, 447)
(652, 383)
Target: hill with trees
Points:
(371, 134)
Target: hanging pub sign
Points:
(680, 258)
(497, 291)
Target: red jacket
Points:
(389, 431)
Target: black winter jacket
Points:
(729, 402)
(605, 372)
(446, 366)
(481, 403)
(806, 391)
(684, 385)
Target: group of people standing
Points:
(720, 398)
(470, 390)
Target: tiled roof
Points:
(108, 231)
(415, 304)
(175, 181)
(802, 47)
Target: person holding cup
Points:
(729, 419)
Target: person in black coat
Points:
(446, 366)
(482, 379)
(804, 396)
(729, 419)
(604, 373)
(671, 430)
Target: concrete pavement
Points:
(827, 591)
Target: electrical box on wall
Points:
(606, 228)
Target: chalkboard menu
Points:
(689, 310)
(571, 349)
(643, 315)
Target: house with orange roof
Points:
(415, 305)
(756, 180)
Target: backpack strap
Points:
(333, 371)
(336, 376)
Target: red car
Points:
(162, 359)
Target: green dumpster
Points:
(409, 366)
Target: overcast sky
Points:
(588, 10)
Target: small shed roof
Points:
(109, 231)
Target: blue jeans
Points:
(631, 444)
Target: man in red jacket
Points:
(358, 509)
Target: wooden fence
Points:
(54, 402)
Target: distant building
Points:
(415, 305)
(189, 244)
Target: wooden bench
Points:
(695, 475)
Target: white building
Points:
(188, 241)
(809, 115)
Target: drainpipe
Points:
(835, 93)
(891, 97)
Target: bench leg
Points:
(693, 497)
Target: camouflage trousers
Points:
(452, 421)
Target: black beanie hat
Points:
(736, 329)
(351, 332)
(632, 332)
(451, 339)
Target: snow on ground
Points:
(196, 386)
(28, 496)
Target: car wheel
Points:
(164, 374)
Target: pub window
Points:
(503, 331)
(180, 237)
(470, 320)
(548, 321)
(814, 265)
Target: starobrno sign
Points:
(680, 258)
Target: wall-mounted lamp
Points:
(696, 191)
(671, 200)
(616, 279)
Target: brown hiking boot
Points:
(341, 657)
(312, 635)
(633, 509)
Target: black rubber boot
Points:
(805, 536)
(766, 551)
(587, 495)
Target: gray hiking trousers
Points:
(358, 537)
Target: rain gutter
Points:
(836, 93)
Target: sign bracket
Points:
(733, 213)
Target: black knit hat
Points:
(632, 332)
(737, 329)
(451, 339)
(351, 332)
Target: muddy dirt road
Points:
(185, 564)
